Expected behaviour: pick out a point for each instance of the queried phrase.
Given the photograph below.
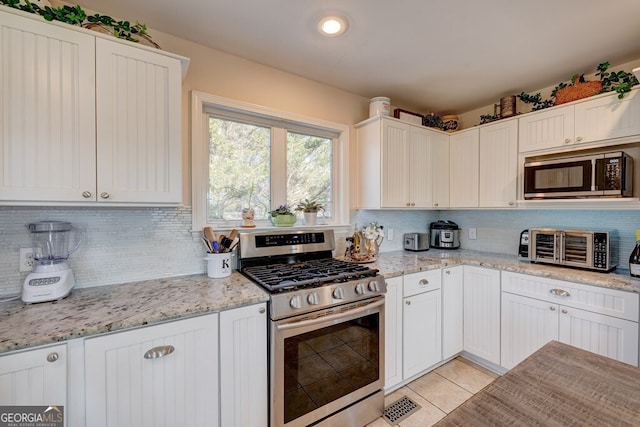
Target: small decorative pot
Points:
(310, 218)
(450, 123)
(247, 218)
(284, 220)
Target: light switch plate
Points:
(26, 259)
(473, 233)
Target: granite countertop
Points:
(558, 385)
(97, 310)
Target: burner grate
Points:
(400, 410)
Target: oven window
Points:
(326, 364)
(559, 178)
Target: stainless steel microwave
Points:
(591, 250)
(595, 175)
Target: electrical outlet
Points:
(473, 233)
(26, 259)
(390, 234)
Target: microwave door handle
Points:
(593, 174)
(561, 251)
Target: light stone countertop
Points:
(92, 311)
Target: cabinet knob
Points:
(105, 195)
(552, 308)
(423, 282)
(262, 310)
(157, 352)
(579, 138)
(413, 204)
(511, 203)
(52, 357)
(567, 140)
(408, 204)
(448, 272)
(564, 311)
(408, 302)
(86, 194)
(435, 204)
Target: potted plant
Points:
(283, 217)
(309, 209)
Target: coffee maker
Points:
(52, 277)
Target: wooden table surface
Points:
(559, 385)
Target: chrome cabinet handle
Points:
(435, 204)
(86, 194)
(423, 282)
(413, 204)
(52, 357)
(511, 203)
(105, 195)
(408, 204)
(448, 272)
(567, 140)
(262, 310)
(552, 308)
(408, 302)
(559, 292)
(579, 139)
(564, 311)
(157, 352)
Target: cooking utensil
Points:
(233, 234)
(207, 243)
(216, 247)
(225, 244)
(209, 234)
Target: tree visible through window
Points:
(240, 176)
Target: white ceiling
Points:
(446, 56)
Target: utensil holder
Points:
(219, 265)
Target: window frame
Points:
(201, 102)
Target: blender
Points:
(52, 277)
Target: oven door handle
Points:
(330, 317)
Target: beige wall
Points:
(218, 73)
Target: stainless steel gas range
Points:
(326, 344)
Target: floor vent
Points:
(400, 410)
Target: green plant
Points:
(282, 210)
(75, 15)
(620, 81)
(309, 206)
(432, 120)
(536, 100)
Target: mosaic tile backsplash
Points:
(130, 244)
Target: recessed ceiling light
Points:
(332, 26)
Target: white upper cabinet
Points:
(138, 125)
(601, 118)
(464, 152)
(86, 119)
(499, 164)
(47, 120)
(399, 165)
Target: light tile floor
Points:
(440, 392)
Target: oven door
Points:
(577, 249)
(567, 178)
(323, 362)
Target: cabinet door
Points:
(47, 112)
(393, 333)
(139, 116)
(452, 311)
(482, 312)
(440, 170)
(498, 164)
(604, 335)
(243, 367)
(422, 325)
(464, 169)
(395, 173)
(420, 170)
(164, 375)
(608, 117)
(527, 325)
(546, 129)
(34, 377)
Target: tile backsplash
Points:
(129, 244)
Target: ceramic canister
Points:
(379, 106)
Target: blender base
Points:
(47, 286)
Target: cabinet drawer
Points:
(612, 302)
(423, 281)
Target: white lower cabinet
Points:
(163, 375)
(243, 367)
(482, 312)
(536, 310)
(422, 322)
(452, 313)
(393, 333)
(34, 377)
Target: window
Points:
(249, 156)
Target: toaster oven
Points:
(416, 241)
(589, 250)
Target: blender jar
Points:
(51, 241)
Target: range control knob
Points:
(312, 298)
(361, 289)
(338, 293)
(295, 302)
(373, 286)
